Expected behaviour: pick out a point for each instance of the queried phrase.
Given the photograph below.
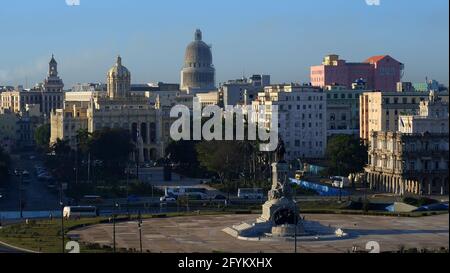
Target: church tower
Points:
(53, 83)
(118, 80)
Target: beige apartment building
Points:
(380, 111)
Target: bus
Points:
(80, 212)
(254, 193)
(190, 192)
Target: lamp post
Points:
(296, 226)
(296, 221)
(20, 194)
(61, 203)
(128, 181)
(140, 230)
(114, 226)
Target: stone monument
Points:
(280, 214)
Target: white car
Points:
(340, 182)
(167, 199)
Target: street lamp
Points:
(295, 234)
(20, 194)
(296, 221)
(128, 174)
(61, 203)
(62, 226)
(114, 227)
(140, 230)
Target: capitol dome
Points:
(119, 80)
(198, 70)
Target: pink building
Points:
(380, 72)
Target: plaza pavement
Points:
(204, 234)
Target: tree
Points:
(346, 154)
(225, 158)
(184, 155)
(5, 164)
(42, 136)
(61, 160)
(113, 147)
(83, 138)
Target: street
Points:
(36, 196)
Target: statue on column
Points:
(280, 181)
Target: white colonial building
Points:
(302, 118)
(118, 109)
(414, 160)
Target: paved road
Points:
(36, 195)
(204, 234)
(5, 249)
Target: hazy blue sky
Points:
(279, 37)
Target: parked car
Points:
(220, 197)
(167, 199)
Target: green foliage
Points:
(225, 158)
(61, 161)
(113, 148)
(42, 136)
(184, 155)
(346, 154)
(5, 165)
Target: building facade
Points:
(243, 91)
(119, 109)
(49, 95)
(302, 118)
(381, 73)
(343, 109)
(380, 111)
(414, 160)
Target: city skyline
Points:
(261, 42)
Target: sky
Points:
(282, 38)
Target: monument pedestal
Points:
(280, 214)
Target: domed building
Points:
(198, 72)
(119, 109)
(118, 80)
